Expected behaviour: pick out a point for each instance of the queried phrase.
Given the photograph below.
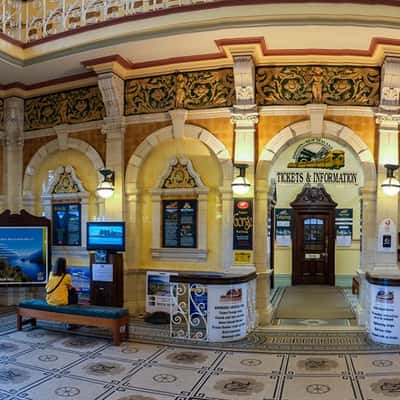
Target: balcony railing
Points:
(27, 21)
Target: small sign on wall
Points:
(242, 257)
(243, 224)
(387, 236)
(283, 228)
(344, 226)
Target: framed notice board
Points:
(66, 224)
(179, 223)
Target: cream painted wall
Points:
(347, 259)
(84, 171)
(207, 166)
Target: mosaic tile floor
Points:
(43, 364)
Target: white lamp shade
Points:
(105, 189)
(391, 186)
(240, 185)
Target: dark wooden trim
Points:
(383, 280)
(26, 219)
(212, 278)
(115, 324)
(313, 201)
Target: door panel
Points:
(313, 251)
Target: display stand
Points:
(384, 312)
(106, 280)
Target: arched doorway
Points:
(313, 249)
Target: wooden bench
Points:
(105, 317)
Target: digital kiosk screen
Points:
(106, 236)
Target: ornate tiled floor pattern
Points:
(43, 364)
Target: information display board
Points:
(24, 254)
(283, 226)
(179, 223)
(66, 224)
(384, 321)
(344, 226)
(227, 312)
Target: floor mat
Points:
(314, 302)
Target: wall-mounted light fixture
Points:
(390, 185)
(240, 184)
(106, 187)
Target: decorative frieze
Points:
(298, 85)
(189, 90)
(71, 107)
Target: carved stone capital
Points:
(114, 127)
(388, 121)
(245, 117)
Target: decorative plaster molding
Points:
(356, 111)
(14, 121)
(167, 254)
(199, 185)
(390, 86)
(62, 136)
(245, 117)
(85, 126)
(316, 113)
(114, 127)
(244, 75)
(210, 113)
(178, 118)
(388, 121)
(53, 180)
(112, 90)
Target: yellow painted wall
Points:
(206, 165)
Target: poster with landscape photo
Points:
(23, 255)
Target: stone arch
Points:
(287, 136)
(331, 130)
(131, 185)
(50, 148)
(163, 134)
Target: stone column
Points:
(227, 228)
(368, 249)
(114, 129)
(261, 256)
(112, 90)
(245, 119)
(387, 206)
(13, 151)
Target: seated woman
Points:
(58, 284)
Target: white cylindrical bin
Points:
(384, 312)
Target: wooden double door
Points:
(313, 250)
